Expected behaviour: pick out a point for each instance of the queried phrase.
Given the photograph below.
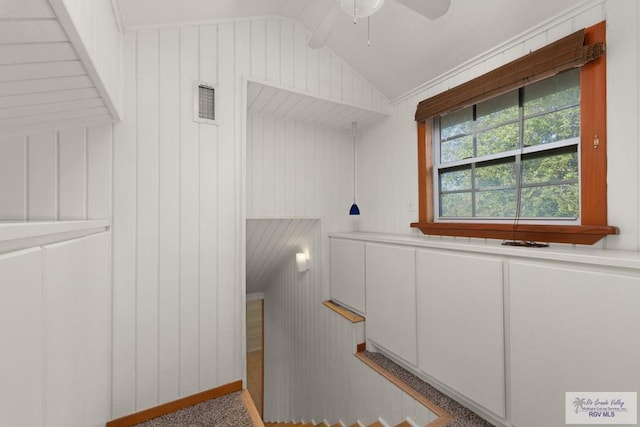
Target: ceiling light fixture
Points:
(362, 9)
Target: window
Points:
(515, 155)
(522, 156)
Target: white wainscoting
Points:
(55, 323)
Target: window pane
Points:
(496, 175)
(501, 109)
(552, 127)
(497, 140)
(553, 93)
(455, 180)
(496, 203)
(455, 205)
(551, 168)
(551, 201)
(456, 149)
(456, 123)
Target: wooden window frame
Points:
(593, 184)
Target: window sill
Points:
(576, 234)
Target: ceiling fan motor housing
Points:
(361, 8)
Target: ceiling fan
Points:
(432, 9)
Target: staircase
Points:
(376, 424)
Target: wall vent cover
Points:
(205, 103)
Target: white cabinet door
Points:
(572, 330)
(461, 326)
(391, 299)
(347, 273)
(77, 296)
(21, 334)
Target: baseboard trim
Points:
(176, 405)
(251, 407)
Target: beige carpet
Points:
(462, 417)
(225, 411)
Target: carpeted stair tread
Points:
(225, 411)
(462, 416)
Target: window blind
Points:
(566, 53)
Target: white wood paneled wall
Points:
(310, 370)
(270, 244)
(296, 169)
(55, 322)
(178, 196)
(391, 196)
(99, 31)
(57, 175)
(59, 66)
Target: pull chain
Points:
(355, 12)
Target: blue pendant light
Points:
(355, 210)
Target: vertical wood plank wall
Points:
(310, 370)
(57, 175)
(95, 22)
(178, 201)
(391, 146)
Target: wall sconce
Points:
(302, 262)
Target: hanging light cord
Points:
(519, 178)
(355, 12)
(353, 131)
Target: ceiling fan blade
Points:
(432, 9)
(324, 30)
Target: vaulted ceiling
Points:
(406, 50)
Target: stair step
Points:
(272, 424)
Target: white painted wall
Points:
(55, 312)
(95, 23)
(310, 370)
(179, 205)
(57, 175)
(297, 169)
(388, 153)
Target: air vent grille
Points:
(205, 103)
